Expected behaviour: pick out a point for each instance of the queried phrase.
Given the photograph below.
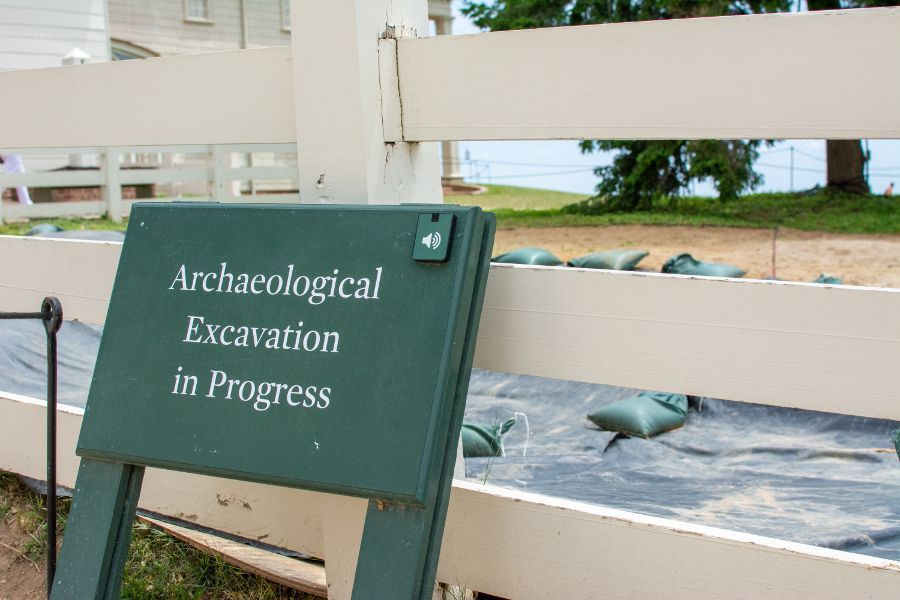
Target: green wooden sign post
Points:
(324, 348)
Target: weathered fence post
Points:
(112, 187)
(342, 146)
(219, 188)
(345, 156)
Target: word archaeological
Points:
(317, 288)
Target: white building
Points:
(37, 33)
(139, 28)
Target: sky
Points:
(560, 165)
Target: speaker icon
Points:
(432, 240)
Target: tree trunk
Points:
(846, 163)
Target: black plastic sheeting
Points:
(23, 359)
(810, 477)
(803, 476)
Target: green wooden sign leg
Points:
(98, 531)
(462, 391)
(392, 553)
(400, 543)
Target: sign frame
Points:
(401, 539)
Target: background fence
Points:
(246, 172)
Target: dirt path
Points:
(859, 259)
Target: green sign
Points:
(326, 348)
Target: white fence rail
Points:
(745, 340)
(718, 78)
(698, 78)
(103, 106)
(359, 109)
(211, 166)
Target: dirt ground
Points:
(19, 578)
(859, 259)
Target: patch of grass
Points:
(508, 219)
(517, 198)
(159, 566)
(526, 207)
(816, 211)
(28, 511)
(22, 227)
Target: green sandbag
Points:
(685, 264)
(484, 440)
(828, 279)
(644, 415)
(895, 437)
(43, 228)
(528, 256)
(615, 260)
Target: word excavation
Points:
(272, 338)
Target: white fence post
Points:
(343, 156)
(341, 148)
(112, 187)
(169, 190)
(219, 183)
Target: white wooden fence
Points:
(213, 170)
(361, 111)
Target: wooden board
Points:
(189, 99)
(676, 79)
(79, 273)
(753, 341)
(305, 576)
(827, 348)
(526, 546)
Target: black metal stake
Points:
(51, 316)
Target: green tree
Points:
(642, 172)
